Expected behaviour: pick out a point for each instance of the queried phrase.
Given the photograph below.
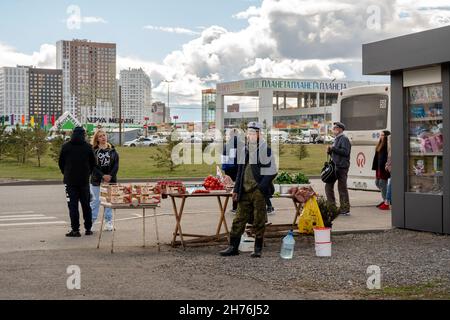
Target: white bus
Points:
(365, 112)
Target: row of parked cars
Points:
(152, 140)
(155, 140)
(304, 139)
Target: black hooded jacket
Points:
(107, 163)
(76, 161)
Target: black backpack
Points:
(328, 173)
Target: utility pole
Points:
(120, 116)
(325, 111)
(168, 98)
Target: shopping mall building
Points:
(280, 103)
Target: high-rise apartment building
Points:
(89, 77)
(45, 93)
(136, 95)
(14, 92)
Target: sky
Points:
(201, 42)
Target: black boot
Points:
(259, 242)
(233, 248)
(73, 234)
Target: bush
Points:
(286, 178)
(300, 178)
(163, 156)
(283, 178)
(55, 147)
(328, 211)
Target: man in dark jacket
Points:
(254, 185)
(340, 154)
(76, 162)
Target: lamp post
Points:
(325, 110)
(168, 98)
(120, 115)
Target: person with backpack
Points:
(76, 162)
(339, 152)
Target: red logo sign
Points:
(360, 160)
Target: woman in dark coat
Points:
(379, 165)
(105, 171)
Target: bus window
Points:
(365, 112)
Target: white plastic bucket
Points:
(323, 249)
(247, 244)
(322, 235)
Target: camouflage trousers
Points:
(251, 209)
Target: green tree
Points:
(163, 154)
(243, 124)
(55, 147)
(303, 152)
(40, 143)
(4, 141)
(21, 141)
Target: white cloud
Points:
(288, 68)
(44, 58)
(290, 38)
(250, 12)
(93, 20)
(176, 30)
(282, 38)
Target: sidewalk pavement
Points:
(201, 216)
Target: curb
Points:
(344, 232)
(59, 182)
(277, 234)
(21, 183)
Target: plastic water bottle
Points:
(287, 248)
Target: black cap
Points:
(387, 133)
(79, 130)
(339, 125)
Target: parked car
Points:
(140, 142)
(294, 140)
(279, 139)
(53, 137)
(162, 140)
(325, 140)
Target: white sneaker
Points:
(109, 226)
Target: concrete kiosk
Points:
(419, 67)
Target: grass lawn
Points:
(136, 163)
(435, 289)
